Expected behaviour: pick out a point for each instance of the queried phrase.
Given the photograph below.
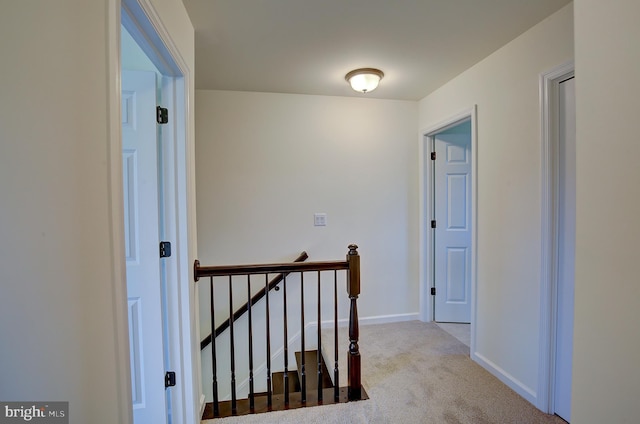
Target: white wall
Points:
(266, 162)
(607, 294)
(60, 284)
(504, 86)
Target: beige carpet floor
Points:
(415, 372)
(461, 332)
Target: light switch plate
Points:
(320, 219)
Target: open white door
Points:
(140, 169)
(452, 212)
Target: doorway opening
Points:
(448, 224)
(451, 208)
(155, 56)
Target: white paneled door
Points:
(140, 178)
(452, 212)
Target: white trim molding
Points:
(513, 383)
(549, 82)
(116, 215)
(378, 319)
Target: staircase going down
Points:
(295, 391)
(312, 384)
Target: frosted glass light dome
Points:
(364, 80)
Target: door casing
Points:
(426, 211)
(144, 24)
(548, 84)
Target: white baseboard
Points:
(386, 319)
(378, 319)
(512, 382)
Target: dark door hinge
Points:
(433, 155)
(433, 223)
(433, 291)
(165, 249)
(169, 379)
(162, 115)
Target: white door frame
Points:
(549, 82)
(426, 211)
(144, 24)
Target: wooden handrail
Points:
(226, 270)
(243, 309)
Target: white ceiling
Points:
(307, 46)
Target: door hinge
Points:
(433, 223)
(165, 249)
(162, 115)
(433, 291)
(169, 379)
(433, 155)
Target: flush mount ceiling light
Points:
(364, 80)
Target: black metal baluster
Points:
(285, 377)
(234, 406)
(214, 364)
(251, 393)
(319, 351)
(336, 373)
(269, 395)
(303, 373)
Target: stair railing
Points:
(273, 284)
(354, 389)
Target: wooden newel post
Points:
(353, 359)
